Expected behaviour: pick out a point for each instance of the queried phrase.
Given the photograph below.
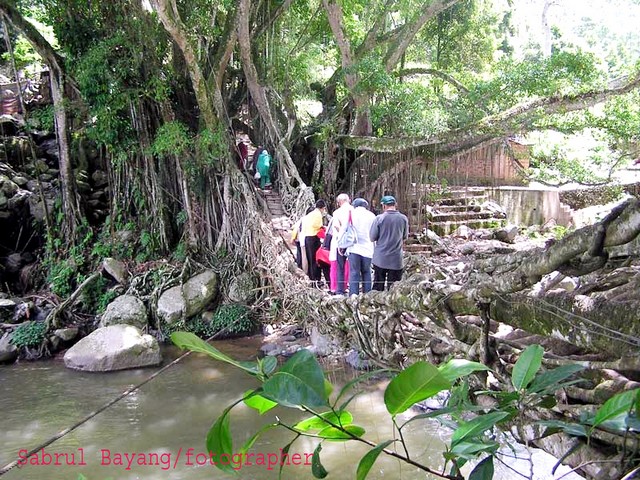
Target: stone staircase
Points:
(453, 208)
(280, 222)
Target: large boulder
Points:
(127, 310)
(117, 347)
(8, 351)
(189, 299)
(116, 268)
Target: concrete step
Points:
(417, 248)
(460, 216)
(468, 200)
(446, 228)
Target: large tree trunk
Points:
(72, 217)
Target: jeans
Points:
(382, 275)
(359, 271)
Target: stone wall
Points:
(527, 206)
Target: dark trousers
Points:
(311, 245)
(298, 255)
(325, 268)
(342, 282)
(359, 272)
(382, 275)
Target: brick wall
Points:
(493, 163)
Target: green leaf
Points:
(615, 406)
(477, 426)
(458, 368)
(527, 366)
(369, 459)
(328, 388)
(548, 382)
(346, 433)
(300, 381)
(316, 423)
(249, 443)
(268, 365)
(442, 411)
(258, 402)
(219, 440)
(285, 451)
(317, 468)
(574, 429)
(189, 341)
(469, 450)
(291, 391)
(484, 470)
(418, 382)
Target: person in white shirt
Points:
(361, 253)
(339, 261)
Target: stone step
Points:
(446, 228)
(417, 248)
(468, 200)
(461, 216)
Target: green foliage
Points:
(29, 334)
(516, 81)
(97, 296)
(407, 109)
(172, 139)
(300, 383)
(232, 320)
(41, 118)
(414, 384)
(61, 277)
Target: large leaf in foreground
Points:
(258, 402)
(369, 459)
(549, 381)
(527, 366)
(317, 469)
(615, 406)
(418, 382)
(300, 381)
(484, 470)
(477, 426)
(189, 341)
(457, 368)
(219, 440)
(325, 420)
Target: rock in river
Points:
(117, 347)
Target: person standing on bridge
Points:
(339, 264)
(312, 224)
(263, 165)
(361, 252)
(388, 231)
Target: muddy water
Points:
(159, 431)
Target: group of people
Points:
(345, 246)
(261, 167)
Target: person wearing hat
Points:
(388, 231)
(361, 252)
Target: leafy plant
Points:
(228, 321)
(300, 383)
(29, 334)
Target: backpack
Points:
(349, 237)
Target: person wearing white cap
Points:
(388, 231)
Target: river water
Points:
(165, 424)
